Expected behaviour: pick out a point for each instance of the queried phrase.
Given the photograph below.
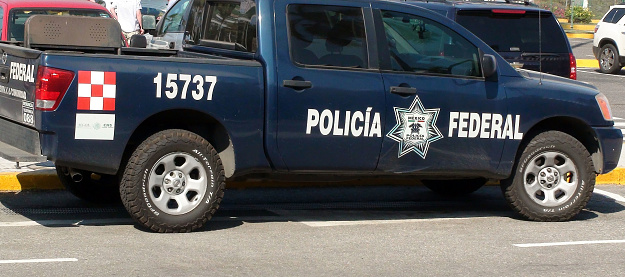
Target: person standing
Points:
(128, 14)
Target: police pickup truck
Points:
(291, 90)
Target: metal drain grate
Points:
(33, 211)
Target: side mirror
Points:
(489, 65)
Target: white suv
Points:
(609, 41)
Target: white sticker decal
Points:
(95, 126)
(415, 129)
(28, 112)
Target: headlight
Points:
(604, 106)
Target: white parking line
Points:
(608, 75)
(334, 223)
(38, 261)
(614, 196)
(547, 244)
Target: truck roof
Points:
(77, 4)
(477, 5)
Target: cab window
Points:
(175, 19)
(327, 36)
(420, 45)
(230, 25)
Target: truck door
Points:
(330, 96)
(442, 115)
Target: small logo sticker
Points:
(96, 90)
(415, 129)
(95, 126)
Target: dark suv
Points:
(513, 31)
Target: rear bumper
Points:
(19, 143)
(610, 144)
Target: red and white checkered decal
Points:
(96, 90)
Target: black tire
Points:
(94, 188)
(552, 180)
(455, 187)
(173, 182)
(609, 59)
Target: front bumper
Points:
(610, 144)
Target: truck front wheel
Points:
(553, 179)
(173, 182)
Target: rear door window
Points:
(609, 16)
(327, 35)
(618, 15)
(515, 32)
(614, 15)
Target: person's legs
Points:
(128, 35)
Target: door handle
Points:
(404, 91)
(297, 85)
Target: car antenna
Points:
(540, 47)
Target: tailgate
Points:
(18, 72)
(19, 139)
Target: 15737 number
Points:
(171, 86)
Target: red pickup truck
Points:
(15, 12)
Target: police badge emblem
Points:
(415, 129)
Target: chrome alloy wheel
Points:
(607, 59)
(177, 183)
(550, 178)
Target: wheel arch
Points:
(605, 41)
(574, 127)
(194, 121)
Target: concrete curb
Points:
(33, 180)
(580, 35)
(47, 180)
(587, 63)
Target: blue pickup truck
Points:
(293, 90)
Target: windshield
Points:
(515, 32)
(18, 17)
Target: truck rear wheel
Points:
(553, 180)
(454, 187)
(609, 59)
(88, 186)
(173, 182)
